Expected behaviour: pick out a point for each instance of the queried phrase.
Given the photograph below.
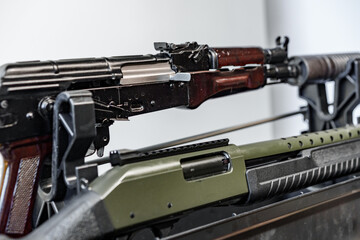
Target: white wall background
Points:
(43, 30)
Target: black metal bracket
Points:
(73, 132)
(346, 98)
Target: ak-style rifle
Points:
(52, 114)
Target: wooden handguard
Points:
(22, 162)
(239, 56)
(204, 85)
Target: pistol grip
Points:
(18, 188)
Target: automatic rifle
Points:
(54, 113)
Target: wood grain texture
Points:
(239, 56)
(204, 85)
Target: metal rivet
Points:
(169, 205)
(152, 102)
(132, 215)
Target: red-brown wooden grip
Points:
(22, 162)
(239, 56)
(204, 85)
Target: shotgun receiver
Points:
(54, 113)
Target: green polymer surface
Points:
(296, 143)
(148, 190)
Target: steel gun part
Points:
(174, 182)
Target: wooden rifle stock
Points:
(22, 163)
